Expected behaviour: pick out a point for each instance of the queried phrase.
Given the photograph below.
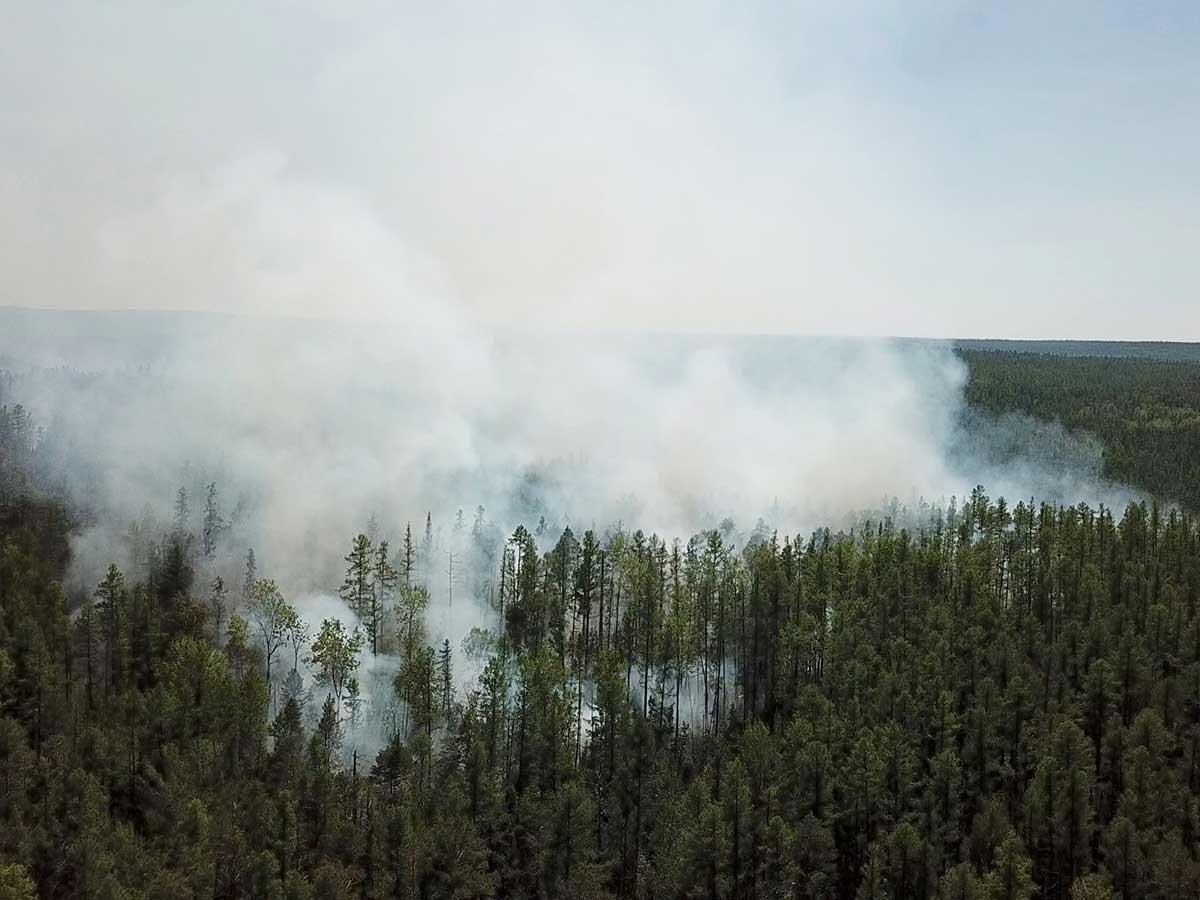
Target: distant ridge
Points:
(1174, 351)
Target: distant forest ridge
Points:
(1172, 351)
(1144, 410)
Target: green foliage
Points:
(964, 703)
(15, 883)
(272, 616)
(1146, 412)
(334, 655)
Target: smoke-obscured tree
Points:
(353, 701)
(272, 616)
(172, 580)
(110, 603)
(334, 655)
(297, 636)
(292, 689)
(213, 523)
(957, 702)
(408, 556)
(411, 603)
(383, 589)
(524, 618)
(238, 648)
(426, 554)
(216, 604)
(183, 511)
(416, 685)
(451, 576)
(250, 573)
(87, 642)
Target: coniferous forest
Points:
(1145, 408)
(599, 451)
(982, 700)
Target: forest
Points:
(974, 700)
(1144, 407)
(599, 451)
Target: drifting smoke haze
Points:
(487, 212)
(485, 257)
(311, 429)
(315, 431)
(937, 168)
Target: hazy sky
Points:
(931, 168)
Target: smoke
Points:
(809, 167)
(411, 403)
(313, 430)
(310, 429)
(444, 236)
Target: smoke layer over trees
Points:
(311, 429)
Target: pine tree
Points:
(961, 883)
(446, 678)
(427, 549)
(383, 587)
(358, 590)
(110, 604)
(1009, 878)
(328, 737)
(216, 604)
(353, 701)
(409, 557)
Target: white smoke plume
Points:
(314, 430)
(411, 404)
(407, 210)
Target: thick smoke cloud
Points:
(411, 403)
(314, 431)
(310, 429)
(433, 198)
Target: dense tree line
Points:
(1178, 351)
(990, 703)
(1145, 411)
